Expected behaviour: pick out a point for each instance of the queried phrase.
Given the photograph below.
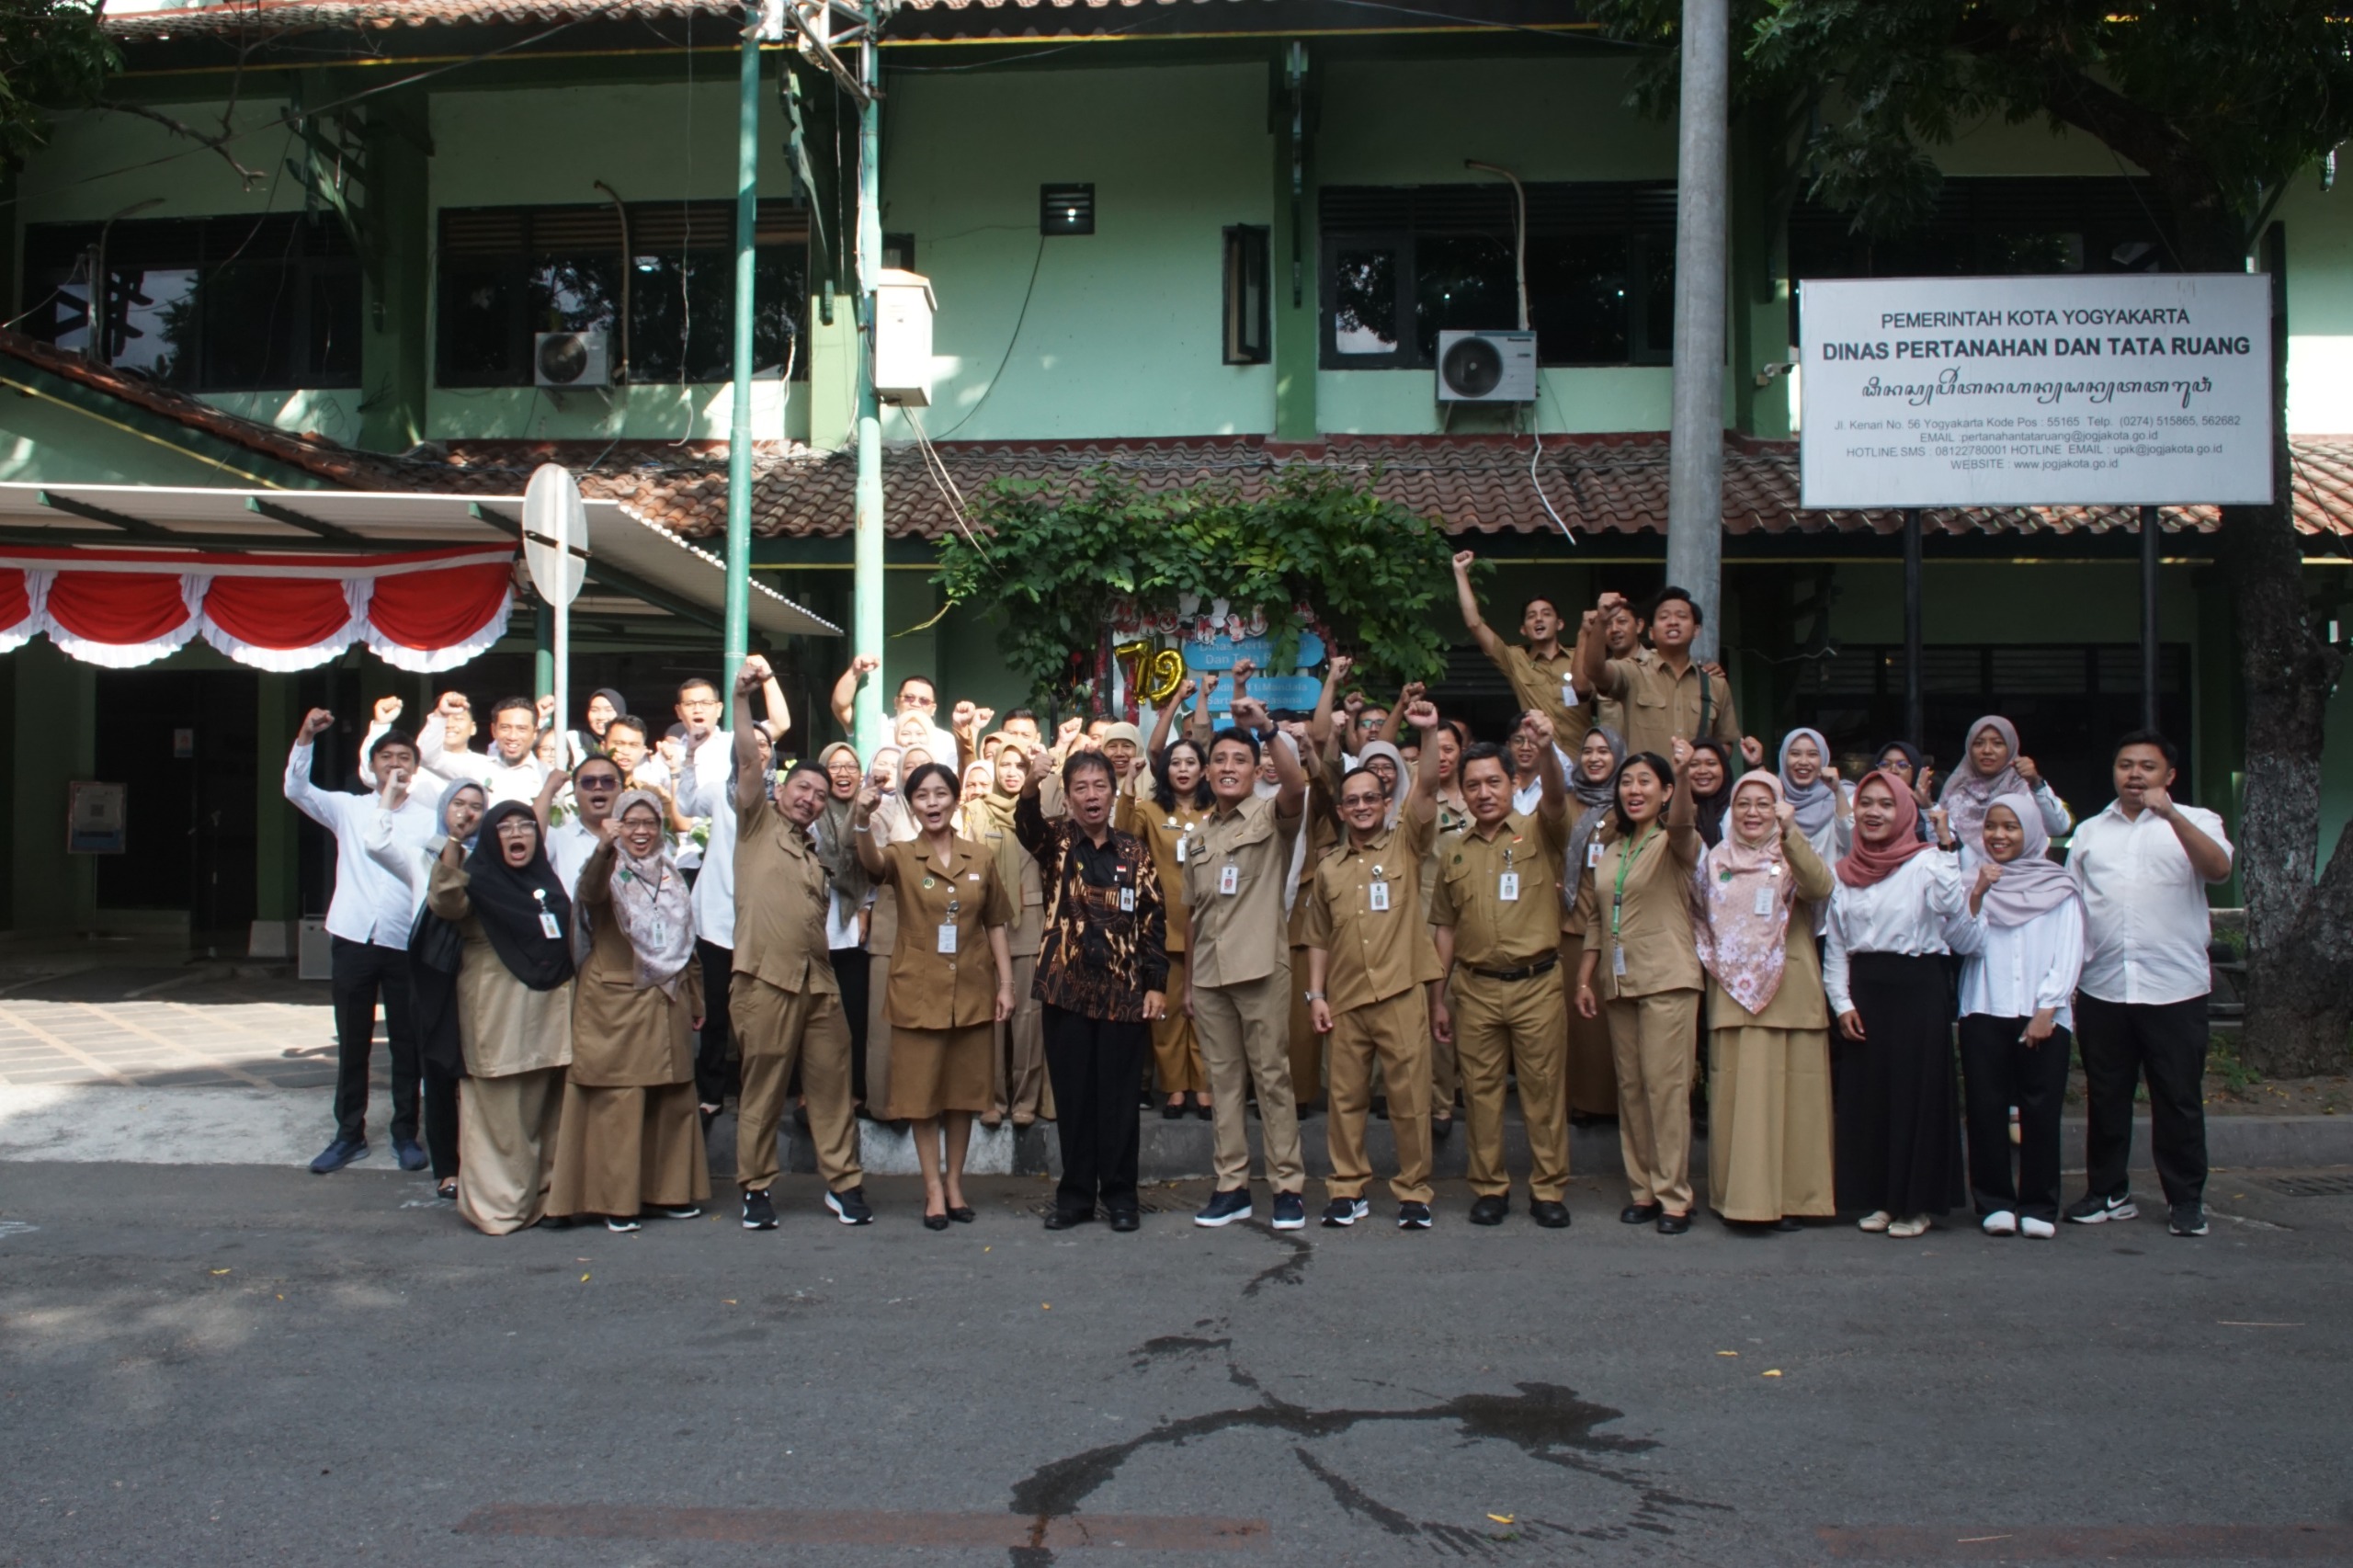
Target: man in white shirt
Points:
(597, 785)
(510, 770)
(2143, 866)
(368, 924)
(627, 742)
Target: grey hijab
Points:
(1594, 797)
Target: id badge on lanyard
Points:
(548, 927)
(1379, 893)
(1228, 878)
(1127, 900)
(947, 929)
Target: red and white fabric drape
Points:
(426, 610)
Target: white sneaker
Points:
(1904, 1229)
(1874, 1222)
(2040, 1230)
(2000, 1222)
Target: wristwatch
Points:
(1313, 995)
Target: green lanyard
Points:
(1625, 864)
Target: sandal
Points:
(446, 1191)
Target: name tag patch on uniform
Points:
(1379, 893)
(1229, 880)
(1507, 887)
(948, 936)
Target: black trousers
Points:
(2122, 1043)
(1898, 1098)
(710, 1046)
(1998, 1071)
(1094, 1064)
(850, 973)
(361, 971)
(441, 1122)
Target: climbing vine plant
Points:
(1059, 563)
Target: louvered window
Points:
(1402, 262)
(506, 273)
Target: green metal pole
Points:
(866, 618)
(739, 430)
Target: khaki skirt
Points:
(935, 1070)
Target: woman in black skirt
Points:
(1884, 972)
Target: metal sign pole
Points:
(2150, 541)
(1915, 718)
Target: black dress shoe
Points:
(1441, 1127)
(1125, 1220)
(1640, 1213)
(1205, 1111)
(1061, 1220)
(1551, 1216)
(962, 1216)
(934, 1221)
(1490, 1210)
(1789, 1223)
(1674, 1224)
(1169, 1113)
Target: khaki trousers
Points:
(1652, 1038)
(1243, 1035)
(1515, 1026)
(507, 1129)
(1175, 1055)
(777, 1027)
(1396, 1034)
(1018, 1063)
(1306, 1045)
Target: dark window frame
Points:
(1246, 332)
(1354, 219)
(318, 288)
(509, 248)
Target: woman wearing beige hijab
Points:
(1768, 1051)
(629, 1138)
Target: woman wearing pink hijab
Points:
(1769, 1053)
(1884, 972)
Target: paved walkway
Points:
(176, 1027)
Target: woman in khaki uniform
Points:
(1018, 1065)
(1593, 788)
(514, 1014)
(941, 1004)
(1768, 1049)
(631, 1136)
(892, 823)
(1177, 801)
(1639, 950)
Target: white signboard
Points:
(2139, 389)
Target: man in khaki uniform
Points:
(783, 996)
(1368, 943)
(1497, 913)
(1668, 698)
(1237, 863)
(1621, 635)
(1542, 673)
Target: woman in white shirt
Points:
(2025, 945)
(1883, 970)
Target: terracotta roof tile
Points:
(266, 16)
(1609, 484)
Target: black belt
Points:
(1544, 965)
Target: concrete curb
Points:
(1182, 1150)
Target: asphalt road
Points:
(227, 1364)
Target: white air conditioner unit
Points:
(1486, 366)
(571, 360)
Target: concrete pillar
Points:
(1298, 338)
(54, 893)
(396, 329)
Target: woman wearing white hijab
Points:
(2024, 945)
(1770, 1154)
(1991, 768)
(630, 1137)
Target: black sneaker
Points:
(1490, 1210)
(1413, 1216)
(759, 1213)
(1552, 1216)
(622, 1224)
(1291, 1213)
(1342, 1212)
(2186, 1219)
(849, 1206)
(339, 1153)
(1225, 1208)
(2091, 1209)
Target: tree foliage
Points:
(53, 55)
(2221, 104)
(1054, 563)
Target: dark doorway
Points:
(183, 743)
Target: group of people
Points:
(1361, 905)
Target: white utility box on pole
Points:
(555, 551)
(904, 307)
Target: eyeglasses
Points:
(919, 703)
